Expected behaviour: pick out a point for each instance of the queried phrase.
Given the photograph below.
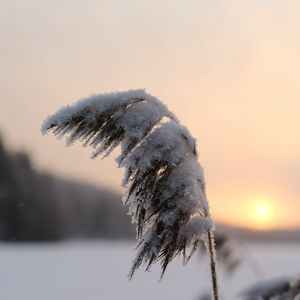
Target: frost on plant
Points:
(275, 289)
(165, 188)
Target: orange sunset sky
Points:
(228, 69)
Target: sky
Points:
(228, 69)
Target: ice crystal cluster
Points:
(165, 188)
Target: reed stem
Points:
(212, 254)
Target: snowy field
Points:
(97, 271)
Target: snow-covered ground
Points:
(97, 270)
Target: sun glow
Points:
(261, 212)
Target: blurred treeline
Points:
(37, 206)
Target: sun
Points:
(261, 212)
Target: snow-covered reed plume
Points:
(275, 289)
(163, 179)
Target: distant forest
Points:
(37, 206)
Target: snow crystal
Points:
(197, 228)
(96, 104)
(165, 144)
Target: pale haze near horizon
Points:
(228, 69)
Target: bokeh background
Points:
(228, 69)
